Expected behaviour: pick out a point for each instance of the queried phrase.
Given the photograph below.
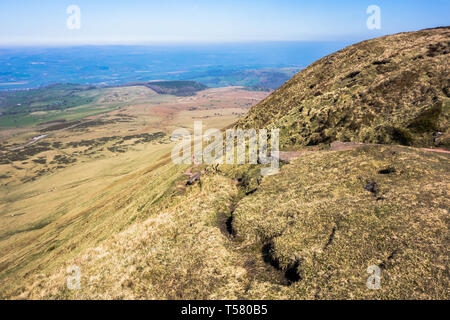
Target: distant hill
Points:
(389, 90)
(258, 79)
(176, 88)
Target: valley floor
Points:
(337, 213)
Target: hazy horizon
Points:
(198, 22)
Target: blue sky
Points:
(43, 22)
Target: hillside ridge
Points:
(389, 90)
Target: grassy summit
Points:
(389, 90)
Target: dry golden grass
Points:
(50, 217)
(310, 232)
(315, 215)
(176, 253)
(318, 218)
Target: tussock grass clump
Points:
(319, 217)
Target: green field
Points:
(70, 102)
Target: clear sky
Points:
(44, 22)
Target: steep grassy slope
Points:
(81, 219)
(393, 90)
(309, 232)
(66, 102)
(78, 188)
(177, 253)
(336, 214)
